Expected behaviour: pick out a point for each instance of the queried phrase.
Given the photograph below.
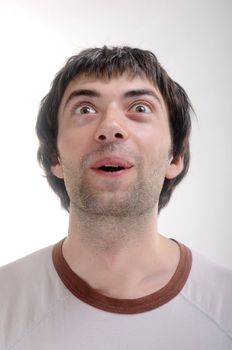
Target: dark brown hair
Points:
(106, 62)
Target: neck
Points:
(111, 233)
(120, 257)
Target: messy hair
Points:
(107, 62)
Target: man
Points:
(114, 143)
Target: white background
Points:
(192, 39)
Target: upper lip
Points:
(112, 160)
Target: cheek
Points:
(153, 140)
(71, 144)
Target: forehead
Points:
(115, 86)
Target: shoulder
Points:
(209, 289)
(27, 271)
(26, 262)
(28, 289)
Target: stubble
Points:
(122, 217)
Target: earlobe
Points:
(175, 167)
(57, 170)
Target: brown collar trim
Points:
(84, 292)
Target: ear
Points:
(57, 170)
(175, 167)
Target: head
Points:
(106, 63)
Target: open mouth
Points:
(111, 168)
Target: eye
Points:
(140, 108)
(84, 109)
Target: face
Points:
(114, 145)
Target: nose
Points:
(112, 128)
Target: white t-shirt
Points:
(45, 306)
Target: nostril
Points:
(102, 137)
(118, 135)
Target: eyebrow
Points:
(141, 92)
(82, 92)
(128, 94)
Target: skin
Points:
(113, 241)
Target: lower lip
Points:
(112, 174)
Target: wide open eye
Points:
(85, 109)
(140, 108)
